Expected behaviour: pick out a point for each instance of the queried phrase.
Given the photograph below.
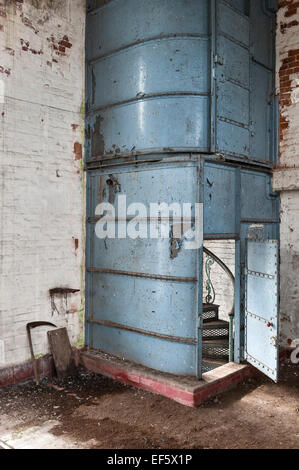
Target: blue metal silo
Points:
(171, 84)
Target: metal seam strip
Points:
(142, 275)
(145, 41)
(147, 97)
(110, 324)
(259, 363)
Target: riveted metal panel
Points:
(141, 290)
(168, 80)
(148, 77)
(258, 202)
(232, 80)
(150, 125)
(220, 200)
(121, 23)
(261, 326)
(159, 66)
(176, 358)
(244, 80)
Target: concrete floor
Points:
(90, 411)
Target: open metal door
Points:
(261, 327)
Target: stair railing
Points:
(210, 298)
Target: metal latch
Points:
(273, 341)
(218, 60)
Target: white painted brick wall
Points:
(225, 250)
(41, 179)
(286, 177)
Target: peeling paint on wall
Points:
(42, 183)
(286, 176)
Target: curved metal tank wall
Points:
(149, 86)
(149, 79)
(144, 293)
(155, 102)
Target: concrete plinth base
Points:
(185, 390)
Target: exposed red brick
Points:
(27, 22)
(4, 70)
(76, 243)
(289, 67)
(59, 46)
(78, 150)
(291, 10)
(65, 42)
(25, 47)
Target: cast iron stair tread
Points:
(215, 330)
(215, 348)
(210, 313)
(216, 323)
(217, 342)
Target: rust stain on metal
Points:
(97, 140)
(176, 240)
(114, 188)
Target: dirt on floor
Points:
(90, 411)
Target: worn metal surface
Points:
(152, 60)
(171, 82)
(152, 86)
(261, 333)
(143, 302)
(235, 200)
(243, 119)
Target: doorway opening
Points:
(218, 303)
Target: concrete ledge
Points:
(17, 373)
(286, 179)
(185, 390)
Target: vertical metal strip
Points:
(237, 317)
(231, 338)
(199, 310)
(238, 331)
(213, 104)
(87, 261)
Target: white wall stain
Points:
(40, 214)
(286, 180)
